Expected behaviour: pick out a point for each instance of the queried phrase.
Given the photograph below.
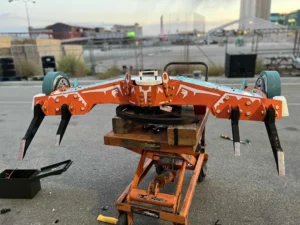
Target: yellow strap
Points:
(107, 219)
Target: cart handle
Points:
(52, 168)
(189, 63)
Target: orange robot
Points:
(149, 95)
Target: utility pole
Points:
(26, 7)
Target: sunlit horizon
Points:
(92, 13)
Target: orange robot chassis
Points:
(149, 97)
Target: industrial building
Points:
(66, 31)
(131, 30)
(291, 19)
(254, 9)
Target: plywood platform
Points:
(138, 138)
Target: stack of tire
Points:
(7, 68)
(48, 63)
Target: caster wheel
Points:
(159, 169)
(203, 173)
(269, 83)
(200, 148)
(122, 220)
(54, 80)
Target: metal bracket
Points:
(65, 118)
(274, 140)
(235, 116)
(127, 84)
(38, 117)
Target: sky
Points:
(178, 14)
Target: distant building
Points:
(291, 19)
(254, 8)
(131, 30)
(66, 31)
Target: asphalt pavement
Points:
(237, 190)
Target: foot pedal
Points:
(235, 116)
(65, 118)
(38, 117)
(274, 140)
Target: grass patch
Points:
(28, 68)
(73, 66)
(111, 72)
(259, 67)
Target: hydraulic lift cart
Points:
(171, 161)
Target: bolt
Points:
(45, 108)
(226, 97)
(57, 109)
(228, 111)
(276, 114)
(218, 111)
(248, 103)
(57, 100)
(173, 87)
(75, 96)
(262, 112)
(71, 108)
(276, 107)
(82, 108)
(170, 100)
(248, 113)
(241, 111)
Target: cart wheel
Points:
(53, 81)
(269, 83)
(199, 149)
(203, 172)
(159, 169)
(122, 220)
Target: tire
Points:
(202, 173)
(159, 170)
(53, 81)
(244, 84)
(122, 220)
(269, 82)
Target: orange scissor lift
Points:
(171, 161)
(155, 101)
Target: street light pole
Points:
(29, 26)
(28, 20)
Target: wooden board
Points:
(138, 138)
(184, 134)
(121, 126)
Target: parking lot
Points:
(237, 190)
